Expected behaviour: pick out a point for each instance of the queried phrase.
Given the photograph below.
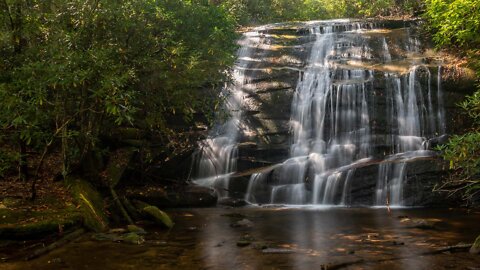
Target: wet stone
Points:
(244, 223)
(136, 229)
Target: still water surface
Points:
(283, 238)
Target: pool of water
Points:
(283, 238)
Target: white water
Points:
(331, 127)
(333, 122)
(217, 158)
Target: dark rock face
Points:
(281, 62)
(186, 196)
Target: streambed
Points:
(277, 237)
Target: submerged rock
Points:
(243, 243)
(244, 223)
(133, 238)
(246, 240)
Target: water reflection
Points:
(308, 237)
(282, 238)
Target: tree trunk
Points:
(23, 162)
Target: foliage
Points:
(463, 152)
(72, 70)
(456, 23)
(7, 161)
(247, 12)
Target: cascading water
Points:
(217, 158)
(357, 102)
(332, 111)
(417, 119)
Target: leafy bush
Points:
(456, 24)
(7, 162)
(463, 153)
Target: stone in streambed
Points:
(243, 243)
(244, 223)
(246, 240)
(136, 229)
(159, 216)
(420, 223)
(133, 238)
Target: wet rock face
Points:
(386, 93)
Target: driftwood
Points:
(59, 243)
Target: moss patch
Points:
(90, 204)
(19, 225)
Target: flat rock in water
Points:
(419, 223)
(244, 223)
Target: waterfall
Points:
(360, 100)
(216, 159)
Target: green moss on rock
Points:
(475, 249)
(90, 204)
(22, 225)
(159, 216)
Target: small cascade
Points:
(216, 159)
(416, 120)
